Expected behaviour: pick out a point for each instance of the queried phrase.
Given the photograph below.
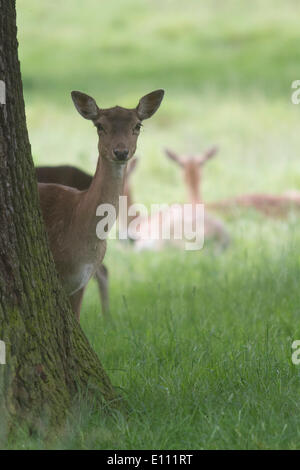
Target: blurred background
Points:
(227, 69)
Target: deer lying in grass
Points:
(213, 227)
(70, 214)
(268, 204)
(68, 175)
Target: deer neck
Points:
(106, 187)
(194, 194)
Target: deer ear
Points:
(149, 104)
(173, 156)
(85, 105)
(208, 154)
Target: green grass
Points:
(201, 344)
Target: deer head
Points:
(192, 166)
(118, 128)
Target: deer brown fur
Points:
(271, 205)
(69, 175)
(70, 214)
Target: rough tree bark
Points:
(48, 358)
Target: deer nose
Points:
(121, 155)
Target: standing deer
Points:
(70, 214)
(75, 178)
(213, 227)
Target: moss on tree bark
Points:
(49, 359)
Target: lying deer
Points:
(75, 178)
(213, 227)
(70, 214)
(271, 205)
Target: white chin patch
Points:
(119, 169)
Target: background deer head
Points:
(192, 169)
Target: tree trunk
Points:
(48, 358)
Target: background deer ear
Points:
(149, 104)
(208, 154)
(173, 156)
(85, 105)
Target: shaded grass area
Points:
(200, 345)
(207, 345)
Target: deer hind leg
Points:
(101, 276)
(76, 301)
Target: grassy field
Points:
(201, 343)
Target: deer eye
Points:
(137, 128)
(99, 126)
